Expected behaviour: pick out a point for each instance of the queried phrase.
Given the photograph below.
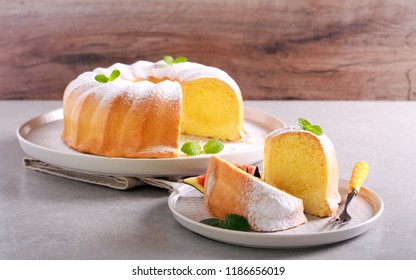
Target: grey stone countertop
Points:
(47, 217)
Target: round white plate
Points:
(40, 138)
(187, 206)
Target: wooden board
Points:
(333, 50)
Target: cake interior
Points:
(296, 164)
(201, 99)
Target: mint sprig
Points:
(104, 79)
(306, 125)
(231, 221)
(211, 147)
(170, 60)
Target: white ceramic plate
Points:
(187, 206)
(40, 138)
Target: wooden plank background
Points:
(321, 49)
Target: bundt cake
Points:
(305, 165)
(231, 190)
(142, 112)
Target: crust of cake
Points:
(113, 126)
(230, 190)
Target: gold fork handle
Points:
(358, 176)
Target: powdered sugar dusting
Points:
(286, 129)
(132, 81)
(167, 90)
(162, 149)
(186, 71)
(82, 83)
(108, 91)
(270, 209)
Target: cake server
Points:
(358, 176)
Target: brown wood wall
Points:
(281, 49)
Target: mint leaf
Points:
(180, 59)
(211, 222)
(213, 147)
(101, 78)
(191, 148)
(168, 59)
(306, 125)
(315, 129)
(235, 222)
(231, 221)
(114, 75)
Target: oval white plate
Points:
(40, 138)
(187, 206)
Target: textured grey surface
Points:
(46, 217)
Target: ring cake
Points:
(142, 113)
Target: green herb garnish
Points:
(306, 125)
(104, 79)
(231, 221)
(215, 222)
(194, 149)
(114, 75)
(101, 78)
(213, 147)
(191, 148)
(170, 60)
(235, 222)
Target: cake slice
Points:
(231, 190)
(305, 165)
